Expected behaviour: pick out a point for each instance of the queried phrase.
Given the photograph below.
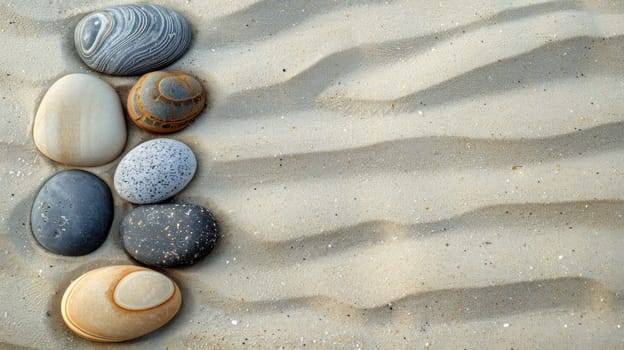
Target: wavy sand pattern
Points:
(387, 174)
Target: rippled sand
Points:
(387, 174)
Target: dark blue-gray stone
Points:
(132, 39)
(169, 235)
(72, 213)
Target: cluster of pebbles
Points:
(80, 122)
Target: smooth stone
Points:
(72, 213)
(169, 235)
(165, 102)
(143, 290)
(132, 39)
(119, 303)
(80, 122)
(154, 171)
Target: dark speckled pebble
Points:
(72, 213)
(169, 235)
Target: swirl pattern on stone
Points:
(132, 39)
(119, 303)
(166, 102)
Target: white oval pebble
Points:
(154, 171)
(80, 122)
(143, 290)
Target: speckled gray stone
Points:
(169, 235)
(72, 213)
(132, 39)
(154, 171)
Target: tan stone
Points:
(91, 308)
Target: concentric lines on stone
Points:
(132, 39)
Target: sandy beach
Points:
(385, 174)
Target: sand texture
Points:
(386, 174)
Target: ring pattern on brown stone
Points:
(165, 102)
